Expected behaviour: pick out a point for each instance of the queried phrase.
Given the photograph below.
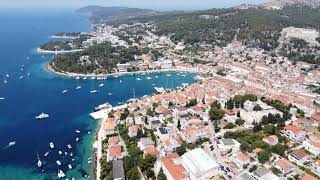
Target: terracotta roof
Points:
(113, 140)
(134, 128)
(283, 164)
(292, 128)
(299, 153)
(308, 177)
(271, 139)
(109, 125)
(177, 171)
(242, 156)
(114, 151)
(315, 144)
(152, 151)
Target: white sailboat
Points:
(61, 174)
(42, 116)
(9, 145)
(149, 78)
(78, 87)
(39, 161)
(138, 79)
(77, 131)
(93, 91)
(101, 85)
(69, 146)
(64, 91)
(46, 154)
(51, 145)
(69, 166)
(2, 98)
(58, 162)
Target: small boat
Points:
(77, 131)
(2, 98)
(71, 154)
(28, 58)
(115, 76)
(156, 77)
(149, 78)
(72, 159)
(109, 94)
(51, 145)
(9, 145)
(21, 69)
(160, 89)
(46, 154)
(77, 139)
(5, 81)
(42, 116)
(69, 146)
(64, 91)
(78, 87)
(89, 162)
(29, 74)
(65, 153)
(69, 166)
(77, 78)
(101, 85)
(84, 78)
(12, 143)
(39, 161)
(21, 77)
(61, 174)
(93, 78)
(7, 75)
(93, 91)
(120, 81)
(168, 75)
(58, 162)
(138, 79)
(60, 152)
(89, 132)
(103, 106)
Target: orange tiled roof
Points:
(114, 151)
(283, 164)
(152, 151)
(308, 177)
(177, 171)
(292, 128)
(113, 140)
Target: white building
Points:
(225, 145)
(312, 146)
(294, 133)
(199, 165)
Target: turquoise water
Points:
(28, 96)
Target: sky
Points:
(150, 4)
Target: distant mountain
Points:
(282, 3)
(106, 14)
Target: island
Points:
(254, 112)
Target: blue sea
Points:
(31, 90)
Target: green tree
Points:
(244, 146)
(216, 114)
(179, 125)
(264, 156)
(133, 173)
(257, 108)
(161, 175)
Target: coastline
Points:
(74, 75)
(42, 51)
